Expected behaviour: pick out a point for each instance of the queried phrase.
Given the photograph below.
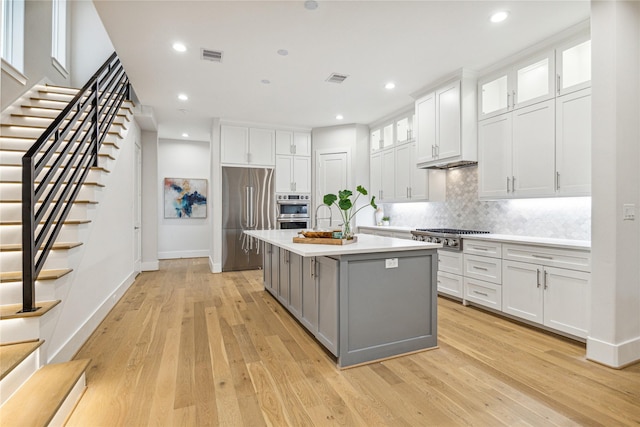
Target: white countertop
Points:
(387, 228)
(529, 240)
(366, 243)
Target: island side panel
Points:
(386, 312)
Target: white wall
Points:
(614, 336)
(215, 260)
(180, 237)
(105, 262)
(90, 43)
(149, 225)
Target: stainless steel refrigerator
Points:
(248, 203)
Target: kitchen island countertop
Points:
(366, 243)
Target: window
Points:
(59, 34)
(13, 34)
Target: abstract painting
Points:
(185, 198)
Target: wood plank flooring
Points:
(185, 347)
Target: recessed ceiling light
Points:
(499, 16)
(390, 85)
(283, 52)
(311, 4)
(265, 81)
(339, 117)
(185, 135)
(179, 47)
(183, 97)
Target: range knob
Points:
(435, 240)
(452, 242)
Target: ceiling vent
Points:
(337, 78)
(211, 55)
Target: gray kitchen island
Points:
(364, 301)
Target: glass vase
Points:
(347, 233)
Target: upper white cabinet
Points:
(573, 65)
(293, 162)
(445, 124)
(534, 128)
(382, 174)
(247, 146)
(516, 153)
(573, 143)
(524, 83)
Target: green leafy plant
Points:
(347, 208)
(386, 218)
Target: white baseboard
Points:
(150, 266)
(80, 336)
(613, 355)
(183, 254)
(215, 267)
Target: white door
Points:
(137, 211)
(331, 176)
(566, 300)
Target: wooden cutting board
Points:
(324, 241)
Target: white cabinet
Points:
(516, 153)
(573, 143)
(483, 273)
(555, 297)
(525, 83)
(450, 267)
(382, 174)
(573, 65)
(375, 140)
(411, 182)
(293, 174)
(445, 123)
(293, 162)
(247, 146)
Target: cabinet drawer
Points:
(483, 268)
(483, 293)
(562, 258)
(482, 248)
(450, 284)
(451, 262)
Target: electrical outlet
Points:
(628, 212)
(391, 263)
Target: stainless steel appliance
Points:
(248, 203)
(451, 238)
(293, 210)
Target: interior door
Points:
(137, 211)
(331, 177)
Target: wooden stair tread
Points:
(11, 311)
(89, 184)
(66, 222)
(16, 247)
(79, 202)
(100, 155)
(11, 355)
(16, 276)
(37, 401)
(42, 127)
(96, 168)
(32, 140)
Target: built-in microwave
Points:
(293, 206)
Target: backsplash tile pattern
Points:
(564, 218)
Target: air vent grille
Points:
(337, 78)
(211, 55)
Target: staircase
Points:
(32, 394)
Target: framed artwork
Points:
(185, 198)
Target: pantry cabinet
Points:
(247, 146)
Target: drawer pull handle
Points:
(542, 256)
(481, 293)
(480, 268)
(479, 248)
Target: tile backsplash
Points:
(565, 218)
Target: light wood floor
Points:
(188, 348)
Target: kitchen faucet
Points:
(316, 216)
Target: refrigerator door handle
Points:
(251, 220)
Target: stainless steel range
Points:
(451, 238)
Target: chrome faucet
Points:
(315, 220)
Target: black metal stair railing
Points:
(56, 166)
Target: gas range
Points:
(451, 238)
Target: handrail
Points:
(56, 166)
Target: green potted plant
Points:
(385, 220)
(347, 208)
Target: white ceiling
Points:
(411, 43)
